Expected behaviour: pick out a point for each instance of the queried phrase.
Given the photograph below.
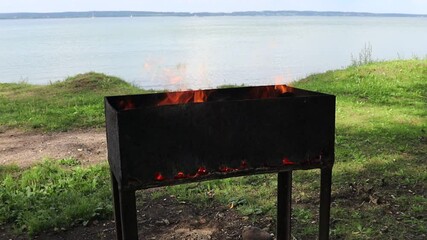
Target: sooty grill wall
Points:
(235, 132)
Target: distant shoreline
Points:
(98, 14)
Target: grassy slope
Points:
(76, 102)
(380, 174)
(380, 177)
(56, 194)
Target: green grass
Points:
(54, 194)
(379, 179)
(76, 102)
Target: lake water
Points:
(200, 52)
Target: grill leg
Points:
(128, 215)
(124, 212)
(116, 203)
(325, 202)
(284, 198)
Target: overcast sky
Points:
(376, 6)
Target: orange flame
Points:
(281, 88)
(200, 96)
(270, 91)
(197, 96)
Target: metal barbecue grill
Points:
(173, 138)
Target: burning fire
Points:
(281, 88)
(201, 171)
(184, 97)
(199, 96)
(181, 175)
(270, 91)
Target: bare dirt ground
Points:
(27, 148)
(164, 218)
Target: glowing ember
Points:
(158, 176)
(226, 169)
(184, 97)
(126, 104)
(202, 171)
(180, 175)
(285, 161)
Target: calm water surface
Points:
(194, 52)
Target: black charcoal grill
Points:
(173, 138)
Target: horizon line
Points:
(219, 12)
